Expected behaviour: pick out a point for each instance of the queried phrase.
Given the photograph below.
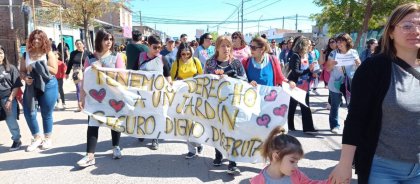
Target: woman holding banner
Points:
(340, 78)
(300, 72)
(153, 61)
(186, 66)
(103, 57)
(381, 132)
(224, 63)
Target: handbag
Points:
(78, 73)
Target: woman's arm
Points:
(52, 63)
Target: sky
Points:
(219, 10)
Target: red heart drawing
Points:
(271, 97)
(280, 111)
(98, 95)
(264, 120)
(117, 105)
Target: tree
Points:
(355, 15)
(214, 35)
(81, 13)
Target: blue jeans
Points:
(335, 105)
(386, 171)
(11, 118)
(46, 103)
(78, 91)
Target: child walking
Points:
(61, 74)
(284, 152)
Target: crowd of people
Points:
(380, 90)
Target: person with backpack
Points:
(186, 66)
(340, 78)
(106, 58)
(224, 63)
(153, 61)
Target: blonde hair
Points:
(301, 45)
(388, 47)
(219, 42)
(283, 144)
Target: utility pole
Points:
(207, 28)
(33, 13)
(141, 24)
(283, 23)
(11, 13)
(238, 19)
(242, 17)
(296, 22)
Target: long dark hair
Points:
(182, 47)
(328, 49)
(5, 63)
(100, 36)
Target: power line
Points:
(263, 7)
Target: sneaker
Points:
(34, 144)
(46, 144)
(217, 162)
(116, 152)
(155, 144)
(63, 107)
(86, 161)
(141, 139)
(56, 106)
(233, 170)
(190, 155)
(335, 130)
(16, 145)
(78, 110)
(199, 149)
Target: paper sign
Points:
(345, 59)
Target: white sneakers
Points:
(43, 144)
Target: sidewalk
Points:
(140, 164)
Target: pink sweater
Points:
(297, 177)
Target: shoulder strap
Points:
(81, 60)
(177, 68)
(407, 68)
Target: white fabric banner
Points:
(225, 113)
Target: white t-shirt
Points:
(337, 74)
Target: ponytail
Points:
(279, 141)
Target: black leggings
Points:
(219, 156)
(60, 90)
(92, 138)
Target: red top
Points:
(297, 177)
(61, 71)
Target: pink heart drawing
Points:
(271, 97)
(264, 120)
(98, 95)
(280, 111)
(116, 105)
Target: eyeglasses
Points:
(408, 27)
(234, 37)
(185, 54)
(254, 48)
(209, 38)
(157, 47)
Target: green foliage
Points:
(348, 15)
(214, 35)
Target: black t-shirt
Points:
(9, 80)
(74, 60)
(227, 68)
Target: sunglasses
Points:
(254, 48)
(209, 38)
(235, 37)
(155, 47)
(110, 39)
(332, 41)
(185, 54)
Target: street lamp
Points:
(237, 8)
